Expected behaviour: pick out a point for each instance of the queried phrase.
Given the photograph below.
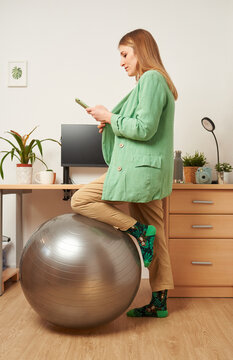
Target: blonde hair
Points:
(147, 52)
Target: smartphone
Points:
(81, 103)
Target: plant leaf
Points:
(29, 147)
(42, 162)
(8, 142)
(1, 164)
(18, 138)
(49, 139)
(25, 138)
(12, 153)
(14, 132)
(31, 157)
(39, 146)
(32, 130)
(16, 72)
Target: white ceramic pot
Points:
(226, 177)
(24, 173)
(44, 177)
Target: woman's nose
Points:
(122, 62)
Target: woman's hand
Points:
(101, 127)
(100, 113)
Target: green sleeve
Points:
(144, 124)
(108, 136)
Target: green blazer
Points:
(138, 145)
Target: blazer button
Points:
(119, 168)
(121, 145)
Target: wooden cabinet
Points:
(199, 226)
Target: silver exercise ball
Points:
(78, 272)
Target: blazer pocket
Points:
(146, 169)
(137, 182)
(148, 161)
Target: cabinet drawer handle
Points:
(202, 226)
(201, 262)
(202, 202)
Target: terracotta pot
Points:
(24, 173)
(189, 174)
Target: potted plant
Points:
(25, 153)
(191, 163)
(223, 171)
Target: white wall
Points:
(71, 49)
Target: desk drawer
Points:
(202, 262)
(201, 201)
(201, 226)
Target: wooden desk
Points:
(175, 206)
(19, 190)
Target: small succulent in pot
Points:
(223, 167)
(190, 165)
(198, 159)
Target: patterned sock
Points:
(156, 308)
(145, 235)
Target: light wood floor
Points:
(196, 329)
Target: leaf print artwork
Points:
(17, 72)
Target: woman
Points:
(137, 144)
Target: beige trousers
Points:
(87, 201)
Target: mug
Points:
(45, 177)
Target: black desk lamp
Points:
(209, 126)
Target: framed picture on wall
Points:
(17, 73)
